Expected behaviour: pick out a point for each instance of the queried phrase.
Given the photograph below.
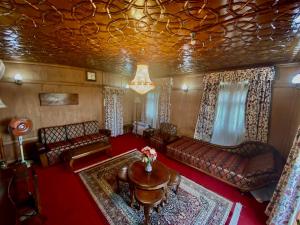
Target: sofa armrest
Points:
(106, 132)
(41, 148)
(172, 139)
(41, 151)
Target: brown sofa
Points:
(53, 141)
(248, 166)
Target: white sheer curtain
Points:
(151, 114)
(229, 125)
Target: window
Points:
(229, 125)
(152, 108)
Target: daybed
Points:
(248, 166)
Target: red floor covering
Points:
(65, 200)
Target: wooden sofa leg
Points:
(71, 164)
(44, 160)
(243, 192)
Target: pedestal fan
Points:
(19, 127)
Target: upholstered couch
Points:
(248, 166)
(166, 134)
(53, 141)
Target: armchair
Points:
(166, 134)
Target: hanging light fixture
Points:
(141, 82)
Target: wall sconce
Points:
(18, 79)
(296, 80)
(185, 88)
(2, 105)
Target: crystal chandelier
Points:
(141, 82)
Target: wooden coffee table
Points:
(83, 151)
(158, 178)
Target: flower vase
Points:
(148, 167)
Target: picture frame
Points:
(58, 99)
(90, 76)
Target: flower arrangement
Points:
(150, 156)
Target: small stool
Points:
(122, 176)
(175, 180)
(149, 200)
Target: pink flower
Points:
(150, 153)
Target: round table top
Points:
(157, 178)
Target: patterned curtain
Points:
(284, 205)
(204, 125)
(165, 100)
(113, 106)
(258, 101)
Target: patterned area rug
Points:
(193, 204)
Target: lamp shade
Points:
(141, 82)
(2, 69)
(20, 126)
(2, 105)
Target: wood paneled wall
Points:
(285, 115)
(23, 100)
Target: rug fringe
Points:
(236, 214)
(96, 164)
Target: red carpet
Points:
(65, 201)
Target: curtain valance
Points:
(262, 73)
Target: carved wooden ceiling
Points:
(114, 35)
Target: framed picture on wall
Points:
(90, 76)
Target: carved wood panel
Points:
(114, 35)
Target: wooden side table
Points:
(148, 133)
(127, 128)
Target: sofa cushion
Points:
(91, 127)
(168, 128)
(53, 134)
(98, 137)
(63, 145)
(74, 130)
(81, 141)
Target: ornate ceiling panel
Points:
(172, 36)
